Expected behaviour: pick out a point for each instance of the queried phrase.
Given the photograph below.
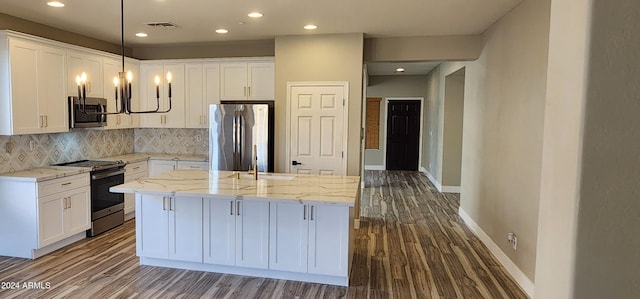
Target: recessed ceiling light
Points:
(141, 34)
(55, 4)
(400, 70)
(310, 27)
(222, 31)
(255, 14)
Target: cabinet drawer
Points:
(63, 184)
(193, 165)
(138, 167)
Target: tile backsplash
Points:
(28, 151)
(172, 141)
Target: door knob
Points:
(294, 163)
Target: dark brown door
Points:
(403, 135)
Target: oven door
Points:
(103, 202)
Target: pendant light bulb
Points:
(116, 82)
(169, 77)
(157, 80)
(83, 76)
(129, 76)
(78, 80)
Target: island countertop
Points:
(340, 190)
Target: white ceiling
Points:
(410, 68)
(198, 19)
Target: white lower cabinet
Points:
(63, 214)
(309, 238)
(169, 227)
(133, 171)
(236, 232)
(157, 167)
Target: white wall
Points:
(503, 130)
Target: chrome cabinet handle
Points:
(312, 213)
(164, 204)
(172, 203)
(238, 208)
(231, 208)
(304, 213)
(66, 184)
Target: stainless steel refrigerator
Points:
(234, 129)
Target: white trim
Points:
(374, 167)
(431, 178)
(525, 283)
(345, 133)
(384, 121)
(451, 189)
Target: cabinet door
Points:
(152, 227)
(193, 165)
(78, 212)
(50, 219)
(26, 116)
(157, 167)
(194, 96)
(289, 234)
(176, 117)
(185, 229)
(52, 98)
(261, 81)
(219, 231)
(148, 95)
(212, 88)
(77, 63)
(329, 240)
(252, 234)
(233, 81)
(111, 69)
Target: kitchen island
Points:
(285, 226)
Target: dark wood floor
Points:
(411, 244)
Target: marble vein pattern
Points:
(23, 152)
(341, 190)
(43, 174)
(172, 141)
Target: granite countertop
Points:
(43, 173)
(182, 157)
(340, 190)
(128, 158)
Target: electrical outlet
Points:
(32, 145)
(512, 238)
(198, 138)
(104, 138)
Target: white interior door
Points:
(317, 129)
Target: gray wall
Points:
(453, 124)
(320, 58)
(503, 128)
(423, 48)
(251, 48)
(391, 86)
(608, 244)
(21, 25)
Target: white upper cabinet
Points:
(202, 90)
(148, 97)
(112, 68)
(247, 81)
(32, 87)
(91, 64)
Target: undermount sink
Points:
(262, 176)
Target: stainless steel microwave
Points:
(90, 116)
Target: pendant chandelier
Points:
(122, 84)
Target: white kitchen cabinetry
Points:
(40, 217)
(112, 68)
(202, 90)
(91, 64)
(33, 97)
(247, 80)
(133, 171)
(174, 118)
(309, 238)
(236, 232)
(157, 167)
(172, 227)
